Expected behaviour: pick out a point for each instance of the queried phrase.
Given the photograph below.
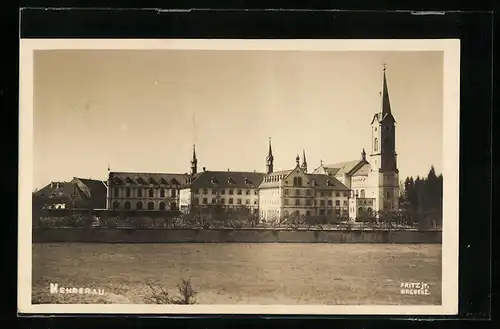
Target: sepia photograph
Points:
(206, 176)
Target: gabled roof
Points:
(60, 191)
(326, 182)
(273, 179)
(363, 171)
(85, 193)
(95, 191)
(147, 179)
(227, 179)
(342, 168)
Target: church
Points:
(373, 180)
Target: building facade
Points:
(295, 194)
(228, 191)
(144, 191)
(374, 184)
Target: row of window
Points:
(310, 202)
(151, 192)
(222, 201)
(298, 192)
(223, 191)
(139, 205)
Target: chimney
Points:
(227, 169)
(204, 168)
(57, 185)
(51, 184)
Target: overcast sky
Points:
(143, 110)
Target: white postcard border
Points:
(451, 102)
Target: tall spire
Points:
(269, 159)
(194, 161)
(304, 161)
(297, 159)
(386, 104)
(363, 154)
(270, 153)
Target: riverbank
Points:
(159, 235)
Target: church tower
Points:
(194, 162)
(269, 159)
(383, 158)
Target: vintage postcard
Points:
(175, 176)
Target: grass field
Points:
(358, 274)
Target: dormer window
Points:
(230, 180)
(128, 180)
(213, 180)
(163, 181)
(151, 181)
(174, 182)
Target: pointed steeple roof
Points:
(270, 153)
(385, 110)
(386, 104)
(194, 160)
(304, 161)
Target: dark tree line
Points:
(423, 196)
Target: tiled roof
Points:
(341, 168)
(236, 179)
(60, 191)
(319, 180)
(326, 182)
(92, 194)
(363, 171)
(141, 178)
(275, 178)
(96, 192)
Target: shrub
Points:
(187, 294)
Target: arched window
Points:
(116, 205)
(127, 205)
(151, 205)
(308, 213)
(362, 194)
(139, 205)
(297, 214)
(299, 181)
(162, 205)
(295, 181)
(285, 214)
(370, 211)
(375, 145)
(173, 193)
(151, 193)
(162, 193)
(173, 206)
